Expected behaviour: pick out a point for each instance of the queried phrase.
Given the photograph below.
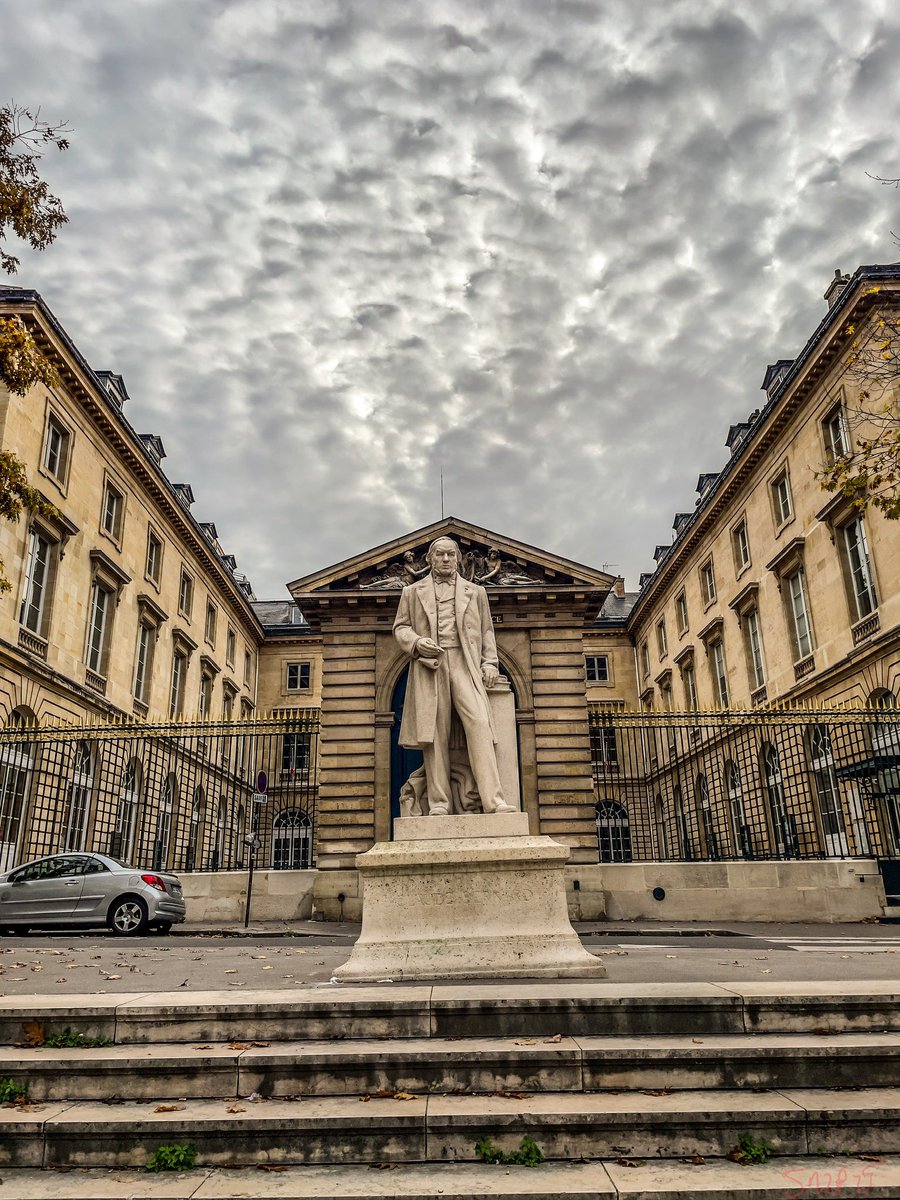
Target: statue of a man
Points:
(444, 625)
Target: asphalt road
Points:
(66, 963)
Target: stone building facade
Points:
(127, 607)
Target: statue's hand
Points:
(489, 674)
(426, 648)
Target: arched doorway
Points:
(404, 761)
(291, 841)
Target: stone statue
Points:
(498, 574)
(444, 625)
(397, 575)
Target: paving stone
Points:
(100, 1184)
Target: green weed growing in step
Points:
(12, 1092)
(70, 1039)
(176, 1157)
(751, 1150)
(529, 1153)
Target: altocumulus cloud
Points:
(550, 245)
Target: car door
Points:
(100, 888)
(43, 892)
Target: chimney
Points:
(618, 587)
(834, 289)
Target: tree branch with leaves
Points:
(868, 473)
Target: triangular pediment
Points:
(493, 559)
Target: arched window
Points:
(162, 843)
(240, 847)
(193, 858)
(886, 756)
(662, 840)
(81, 787)
(291, 841)
(613, 832)
(740, 830)
(15, 777)
(821, 767)
(704, 813)
(121, 842)
(784, 828)
(220, 861)
(684, 836)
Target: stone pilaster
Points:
(347, 749)
(562, 742)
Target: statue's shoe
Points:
(439, 810)
(505, 808)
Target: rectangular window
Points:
(185, 594)
(596, 668)
(227, 705)
(56, 449)
(719, 673)
(144, 661)
(741, 545)
(662, 642)
(247, 668)
(707, 582)
(229, 647)
(681, 612)
(298, 677)
(98, 629)
(210, 627)
(834, 431)
(690, 687)
(295, 754)
(35, 599)
(860, 567)
(665, 695)
(781, 499)
(113, 511)
(645, 660)
(206, 689)
(154, 557)
(799, 610)
(176, 691)
(604, 750)
(754, 649)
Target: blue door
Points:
(403, 761)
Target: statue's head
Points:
(443, 556)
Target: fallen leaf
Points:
(269, 968)
(697, 1041)
(526, 1041)
(235, 1108)
(696, 1161)
(34, 1033)
(112, 976)
(238, 1045)
(63, 980)
(202, 1047)
(404, 1096)
(385, 1166)
(263, 1044)
(231, 970)
(627, 1162)
(273, 1169)
(869, 1157)
(557, 1037)
(168, 1108)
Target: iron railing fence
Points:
(788, 783)
(176, 795)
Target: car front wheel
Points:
(128, 916)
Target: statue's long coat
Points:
(417, 618)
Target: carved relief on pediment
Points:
(485, 565)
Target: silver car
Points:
(89, 889)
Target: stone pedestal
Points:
(466, 897)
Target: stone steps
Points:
(342, 1130)
(523, 1010)
(442, 1065)
(646, 1180)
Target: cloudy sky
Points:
(549, 245)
